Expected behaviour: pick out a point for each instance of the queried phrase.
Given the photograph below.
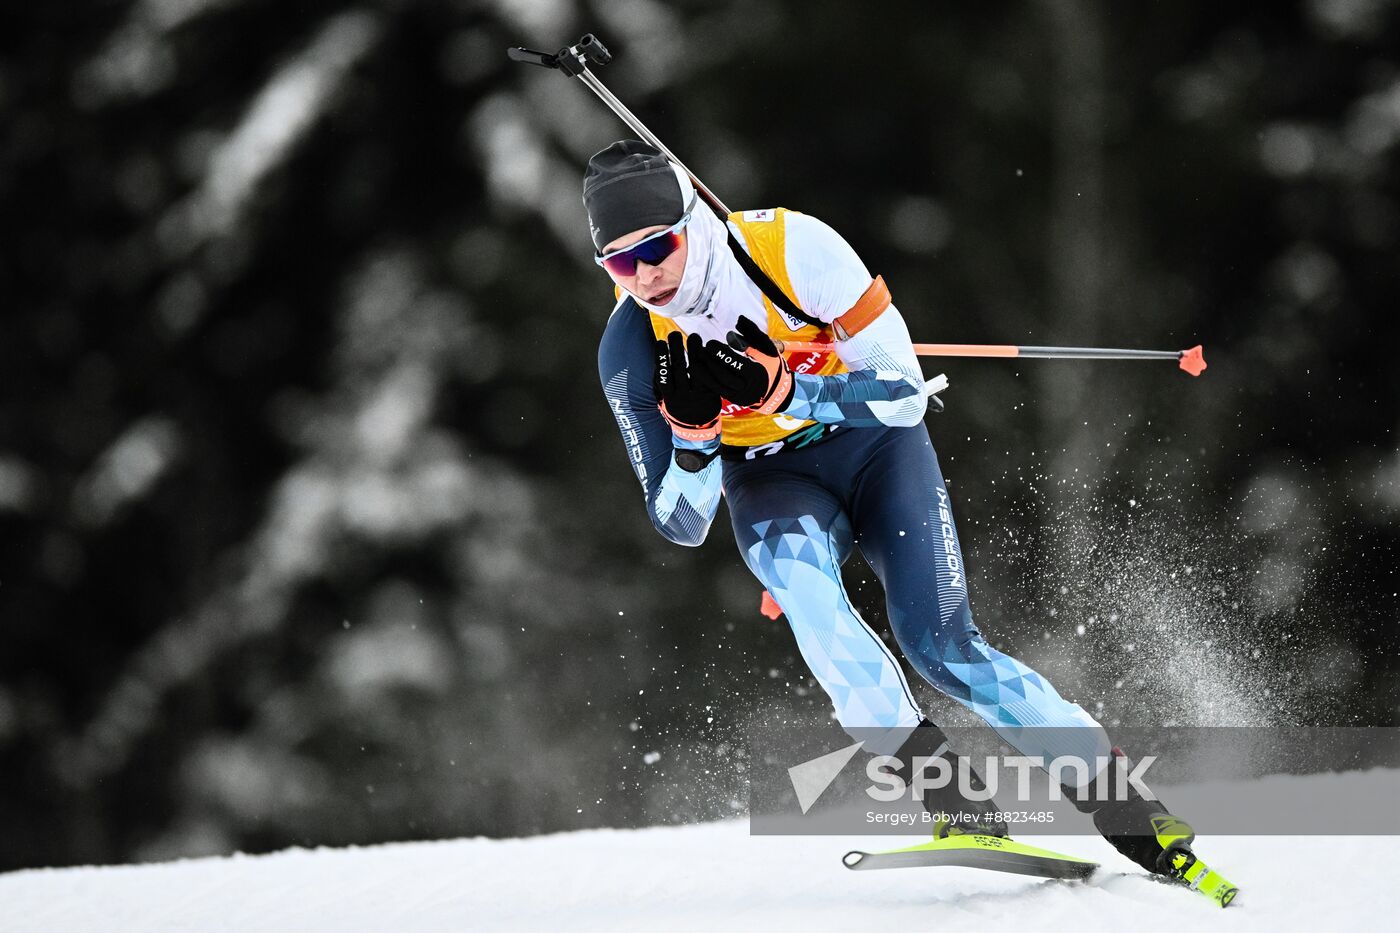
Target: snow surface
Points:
(698, 878)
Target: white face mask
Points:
(706, 239)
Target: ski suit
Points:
(848, 463)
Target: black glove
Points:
(690, 408)
(749, 371)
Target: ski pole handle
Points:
(593, 49)
(574, 61)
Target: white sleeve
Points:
(827, 275)
(885, 383)
(829, 279)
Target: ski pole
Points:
(574, 61)
(1192, 361)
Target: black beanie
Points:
(628, 186)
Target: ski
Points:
(971, 850)
(996, 853)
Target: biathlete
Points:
(817, 452)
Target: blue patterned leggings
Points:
(796, 517)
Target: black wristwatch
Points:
(693, 461)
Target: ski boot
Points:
(1147, 833)
(1144, 831)
(954, 814)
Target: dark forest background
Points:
(315, 527)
